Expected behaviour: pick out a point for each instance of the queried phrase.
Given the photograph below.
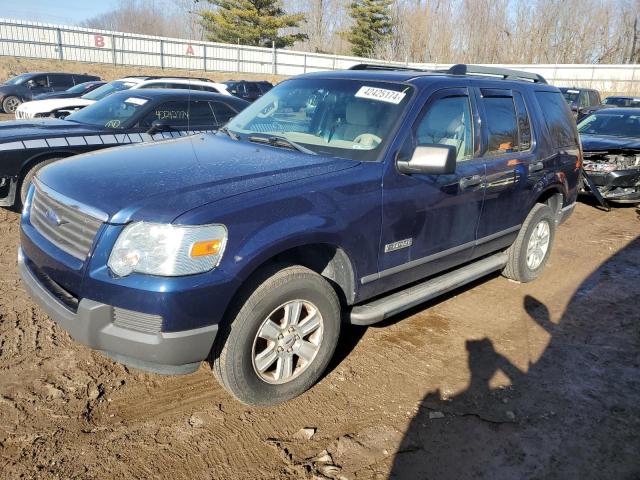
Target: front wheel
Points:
(10, 104)
(281, 339)
(529, 253)
(28, 177)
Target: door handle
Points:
(466, 182)
(536, 167)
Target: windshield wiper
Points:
(278, 141)
(232, 135)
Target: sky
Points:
(55, 11)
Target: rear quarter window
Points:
(559, 119)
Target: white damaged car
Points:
(61, 107)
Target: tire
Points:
(520, 266)
(26, 180)
(10, 104)
(235, 353)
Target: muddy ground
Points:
(498, 380)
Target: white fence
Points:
(37, 40)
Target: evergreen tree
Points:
(250, 22)
(373, 25)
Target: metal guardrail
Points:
(21, 38)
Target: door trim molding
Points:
(430, 258)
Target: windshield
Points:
(112, 112)
(611, 124)
(622, 101)
(18, 79)
(107, 89)
(337, 117)
(571, 96)
(81, 87)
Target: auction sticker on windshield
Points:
(136, 101)
(380, 94)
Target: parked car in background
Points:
(249, 247)
(25, 87)
(247, 89)
(73, 92)
(611, 144)
(119, 119)
(582, 101)
(622, 101)
(59, 108)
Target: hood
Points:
(16, 130)
(161, 181)
(45, 106)
(599, 143)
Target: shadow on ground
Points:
(573, 413)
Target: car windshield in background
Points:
(81, 87)
(107, 89)
(341, 118)
(17, 80)
(622, 102)
(571, 96)
(611, 124)
(113, 112)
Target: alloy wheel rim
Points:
(287, 341)
(538, 244)
(13, 105)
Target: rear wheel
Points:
(529, 253)
(10, 104)
(281, 339)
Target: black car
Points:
(611, 144)
(74, 92)
(27, 86)
(247, 89)
(622, 101)
(119, 119)
(582, 101)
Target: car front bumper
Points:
(618, 185)
(92, 324)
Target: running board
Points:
(378, 310)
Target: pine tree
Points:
(250, 22)
(373, 25)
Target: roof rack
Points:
(373, 66)
(505, 73)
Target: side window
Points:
(559, 119)
(174, 113)
(448, 121)
(584, 99)
(201, 114)
(222, 112)
(40, 81)
(209, 89)
(155, 85)
(60, 81)
(524, 124)
(595, 97)
(501, 124)
(252, 88)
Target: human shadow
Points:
(574, 412)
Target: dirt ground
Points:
(498, 380)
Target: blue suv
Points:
(336, 197)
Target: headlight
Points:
(167, 250)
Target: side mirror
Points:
(159, 126)
(430, 160)
(31, 83)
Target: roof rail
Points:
(373, 66)
(154, 77)
(505, 73)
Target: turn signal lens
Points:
(205, 248)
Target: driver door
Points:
(429, 221)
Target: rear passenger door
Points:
(508, 152)
(59, 82)
(429, 221)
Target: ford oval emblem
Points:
(53, 218)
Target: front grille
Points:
(142, 322)
(68, 228)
